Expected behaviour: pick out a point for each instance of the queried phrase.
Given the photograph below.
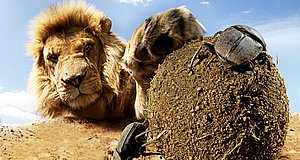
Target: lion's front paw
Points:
(158, 36)
(152, 41)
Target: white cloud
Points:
(247, 11)
(19, 99)
(1, 87)
(282, 36)
(17, 108)
(204, 3)
(14, 115)
(136, 2)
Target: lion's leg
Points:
(140, 101)
(152, 41)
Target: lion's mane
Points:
(57, 19)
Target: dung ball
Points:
(215, 110)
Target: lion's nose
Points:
(74, 81)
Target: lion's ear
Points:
(106, 25)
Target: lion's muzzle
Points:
(74, 70)
(77, 78)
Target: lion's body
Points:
(82, 69)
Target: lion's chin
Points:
(82, 100)
(76, 99)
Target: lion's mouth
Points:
(81, 95)
(77, 99)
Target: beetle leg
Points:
(209, 45)
(195, 55)
(218, 33)
(139, 137)
(155, 141)
(149, 153)
(161, 134)
(146, 144)
(250, 72)
(156, 138)
(116, 155)
(264, 53)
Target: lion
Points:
(82, 69)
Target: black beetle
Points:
(132, 142)
(238, 44)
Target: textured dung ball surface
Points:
(217, 111)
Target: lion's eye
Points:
(87, 48)
(53, 58)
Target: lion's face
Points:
(74, 61)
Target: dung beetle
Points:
(132, 143)
(237, 45)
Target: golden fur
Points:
(82, 69)
(64, 29)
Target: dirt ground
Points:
(82, 139)
(61, 139)
(291, 149)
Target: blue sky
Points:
(277, 20)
